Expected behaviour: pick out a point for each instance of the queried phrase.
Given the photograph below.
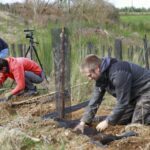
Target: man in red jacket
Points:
(24, 71)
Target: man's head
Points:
(4, 67)
(90, 67)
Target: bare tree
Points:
(38, 6)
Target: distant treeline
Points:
(133, 9)
(4, 6)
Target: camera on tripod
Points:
(29, 33)
(32, 47)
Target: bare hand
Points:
(80, 127)
(8, 95)
(102, 125)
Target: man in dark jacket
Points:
(3, 49)
(128, 82)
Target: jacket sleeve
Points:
(18, 73)
(93, 105)
(122, 81)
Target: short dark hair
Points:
(91, 62)
(4, 63)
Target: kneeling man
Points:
(128, 82)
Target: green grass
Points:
(79, 42)
(140, 23)
(135, 18)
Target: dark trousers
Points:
(138, 112)
(31, 78)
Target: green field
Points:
(140, 23)
(135, 18)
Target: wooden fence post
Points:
(61, 52)
(103, 50)
(146, 52)
(109, 51)
(130, 53)
(118, 49)
(90, 47)
(13, 51)
(24, 49)
(20, 49)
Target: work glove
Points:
(8, 96)
(80, 127)
(102, 125)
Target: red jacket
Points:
(17, 67)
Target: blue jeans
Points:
(4, 53)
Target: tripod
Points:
(32, 49)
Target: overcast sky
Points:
(129, 3)
(10, 1)
(117, 3)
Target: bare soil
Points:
(28, 119)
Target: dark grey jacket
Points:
(123, 80)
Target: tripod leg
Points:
(37, 56)
(39, 60)
(27, 51)
(31, 52)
